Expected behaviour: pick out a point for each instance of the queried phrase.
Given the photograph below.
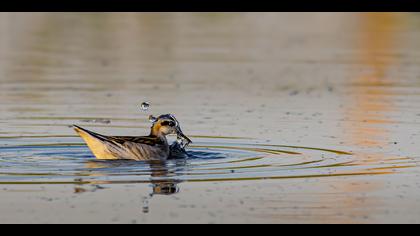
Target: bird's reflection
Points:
(161, 175)
(162, 182)
(169, 185)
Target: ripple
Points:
(210, 159)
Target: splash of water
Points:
(183, 143)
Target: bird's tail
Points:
(97, 143)
(84, 132)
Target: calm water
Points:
(295, 117)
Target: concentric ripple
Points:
(211, 159)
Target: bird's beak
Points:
(182, 135)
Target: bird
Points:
(153, 147)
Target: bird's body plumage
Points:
(118, 147)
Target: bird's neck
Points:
(154, 132)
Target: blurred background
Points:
(212, 70)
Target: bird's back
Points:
(115, 147)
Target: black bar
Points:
(211, 5)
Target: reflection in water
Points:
(372, 91)
(160, 187)
(372, 101)
(165, 186)
(160, 177)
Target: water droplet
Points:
(145, 106)
(152, 119)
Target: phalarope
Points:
(152, 147)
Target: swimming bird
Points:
(152, 147)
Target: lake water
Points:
(294, 117)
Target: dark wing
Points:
(152, 141)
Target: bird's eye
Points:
(168, 123)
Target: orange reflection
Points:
(372, 90)
(370, 102)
